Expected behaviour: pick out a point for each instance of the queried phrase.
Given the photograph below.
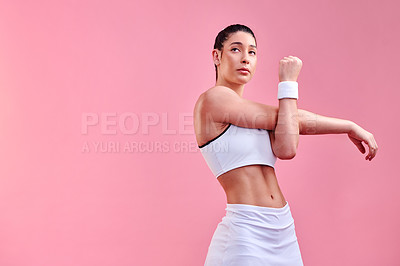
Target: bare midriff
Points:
(250, 184)
(253, 185)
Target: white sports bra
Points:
(238, 146)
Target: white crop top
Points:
(238, 146)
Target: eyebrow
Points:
(242, 44)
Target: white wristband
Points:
(288, 89)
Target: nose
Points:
(245, 58)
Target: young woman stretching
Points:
(240, 141)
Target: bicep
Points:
(225, 106)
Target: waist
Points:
(252, 185)
(260, 216)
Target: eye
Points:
(253, 52)
(234, 49)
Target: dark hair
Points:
(224, 35)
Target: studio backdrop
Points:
(99, 163)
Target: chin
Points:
(244, 80)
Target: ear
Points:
(216, 54)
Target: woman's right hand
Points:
(289, 68)
(358, 135)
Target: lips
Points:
(244, 69)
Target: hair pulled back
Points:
(224, 35)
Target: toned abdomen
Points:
(253, 185)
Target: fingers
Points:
(369, 155)
(373, 148)
(368, 139)
(289, 68)
(290, 57)
(358, 144)
(360, 147)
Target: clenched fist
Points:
(289, 68)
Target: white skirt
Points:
(250, 235)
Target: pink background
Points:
(61, 60)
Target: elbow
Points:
(286, 150)
(287, 155)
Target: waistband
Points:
(259, 215)
(259, 209)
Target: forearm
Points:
(313, 124)
(287, 127)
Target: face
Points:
(239, 51)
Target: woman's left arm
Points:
(313, 124)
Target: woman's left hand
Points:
(358, 135)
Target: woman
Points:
(241, 140)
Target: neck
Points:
(238, 88)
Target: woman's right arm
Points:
(314, 124)
(221, 104)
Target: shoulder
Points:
(212, 95)
(218, 90)
(219, 100)
(219, 94)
